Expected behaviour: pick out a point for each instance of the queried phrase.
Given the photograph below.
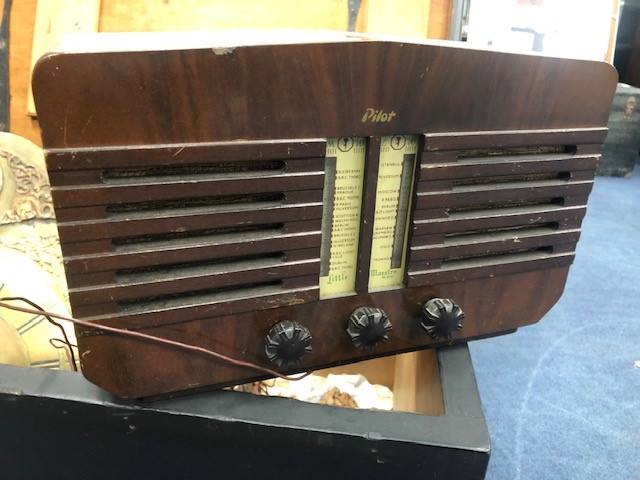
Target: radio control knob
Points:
(368, 327)
(441, 317)
(287, 342)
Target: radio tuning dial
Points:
(368, 327)
(441, 317)
(287, 342)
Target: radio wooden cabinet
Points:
(304, 200)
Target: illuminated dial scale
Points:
(341, 217)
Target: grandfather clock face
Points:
(30, 258)
(24, 337)
(25, 341)
(14, 350)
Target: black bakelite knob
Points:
(368, 327)
(287, 342)
(441, 317)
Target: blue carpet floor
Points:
(562, 397)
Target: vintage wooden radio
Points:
(300, 201)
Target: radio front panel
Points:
(195, 204)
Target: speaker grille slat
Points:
(198, 172)
(452, 167)
(514, 240)
(199, 204)
(264, 243)
(198, 297)
(117, 223)
(503, 217)
(165, 280)
(181, 154)
(107, 194)
(487, 266)
(255, 297)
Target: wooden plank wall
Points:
(55, 19)
(384, 17)
(164, 15)
(21, 26)
(432, 21)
